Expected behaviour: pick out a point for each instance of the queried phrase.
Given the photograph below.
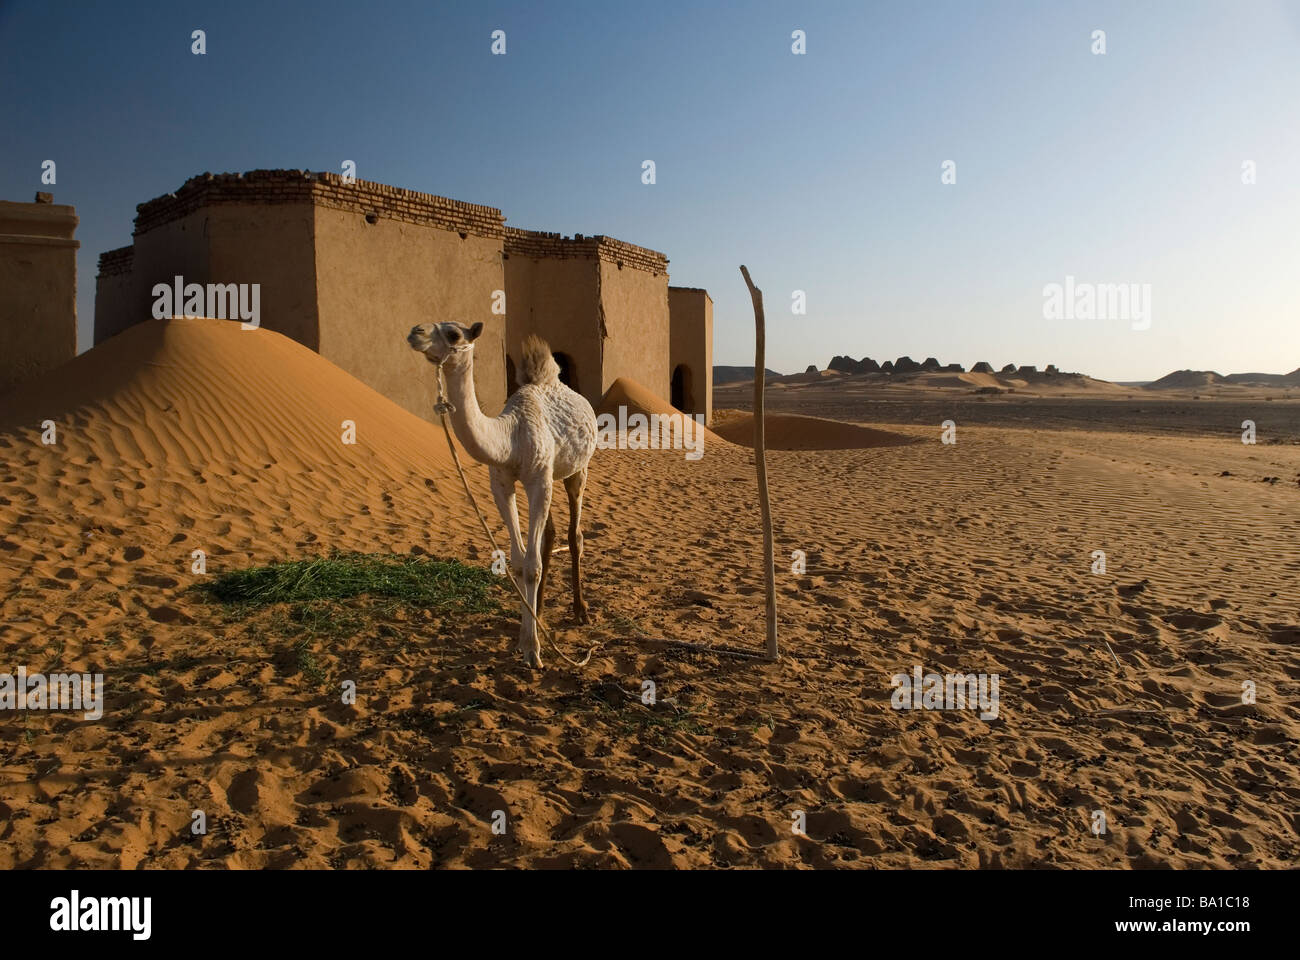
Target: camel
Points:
(546, 432)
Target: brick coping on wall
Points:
(115, 262)
(377, 199)
(540, 245)
(320, 189)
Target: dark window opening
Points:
(512, 381)
(568, 372)
(682, 398)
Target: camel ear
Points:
(475, 330)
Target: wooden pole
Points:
(760, 463)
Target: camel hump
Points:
(538, 365)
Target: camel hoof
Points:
(532, 658)
(580, 614)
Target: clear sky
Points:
(821, 171)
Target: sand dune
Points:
(634, 397)
(784, 431)
(207, 391)
(180, 435)
(637, 398)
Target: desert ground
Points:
(1120, 692)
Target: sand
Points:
(783, 431)
(975, 557)
(795, 432)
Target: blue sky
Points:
(821, 172)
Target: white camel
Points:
(546, 432)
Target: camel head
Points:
(438, 341)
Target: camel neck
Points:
(482, 437)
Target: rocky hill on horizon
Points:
(723, 375)
(1206, 378)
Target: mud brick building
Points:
(38, 288)
(347, 267)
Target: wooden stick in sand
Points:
(760, 463)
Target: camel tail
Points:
(538, 365)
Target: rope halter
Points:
(443, 406)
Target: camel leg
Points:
(539, 509)
(574, 485)
(548, 541)
(503, 492)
